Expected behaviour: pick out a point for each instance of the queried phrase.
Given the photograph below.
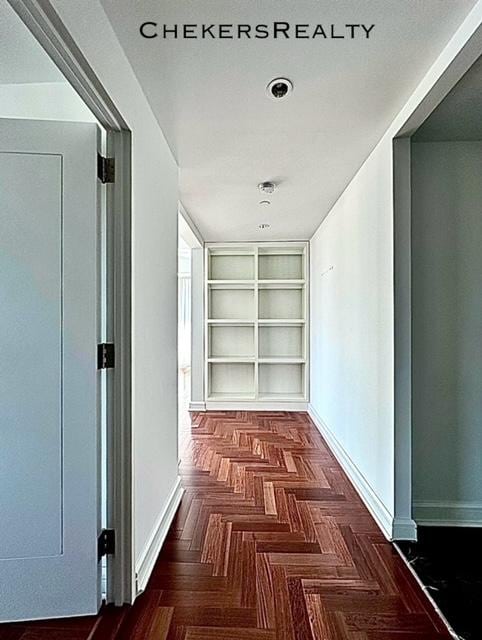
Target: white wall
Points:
(43, 101)
(155, 204)
(352, 299)
(447, 331)
(352, 326)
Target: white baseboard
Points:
(149, 556)
(213, 405)
(404, 529)
(197, 406)
(375, 506)
(448, 514)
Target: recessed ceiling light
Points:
(267, 187)
(265, 203)
(279, 88)
(264, 225)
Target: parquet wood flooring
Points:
(271, 542)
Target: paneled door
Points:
(49, 383)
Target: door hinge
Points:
(105, 169)
(105, 355)
(106, 543)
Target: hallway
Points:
(270, 542)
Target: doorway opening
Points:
(184, 342)
(66, 291)
(446, 354)
(190, 325)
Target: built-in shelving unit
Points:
(256, 329)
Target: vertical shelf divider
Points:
(256, 323)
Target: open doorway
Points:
(54, 458)
(190, 325)
(184, 341)
(64, 260)
(446, 325)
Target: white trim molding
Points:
(404, 529)
(153, 547)
(375, 506)
(197, 406)
(213, 405)
(188, 229)
(448, 514)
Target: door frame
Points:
(45, 25)
(404, 527)
(191, 235)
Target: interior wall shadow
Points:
(447, 331)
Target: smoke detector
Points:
(279, 88)
(267, 187)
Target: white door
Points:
(49, 407)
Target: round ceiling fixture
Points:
(265, 203)
(279, 88)
(264, 225)
(267, 187)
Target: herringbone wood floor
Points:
(270, 542)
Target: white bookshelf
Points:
(256, 324)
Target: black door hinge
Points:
(105, 169)
(105, 355)
(106, 543)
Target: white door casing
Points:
(49, 384)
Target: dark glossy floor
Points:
(271, 542)
(448, 560)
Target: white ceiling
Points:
(22, 59)
(209, 97)
(459, 115)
